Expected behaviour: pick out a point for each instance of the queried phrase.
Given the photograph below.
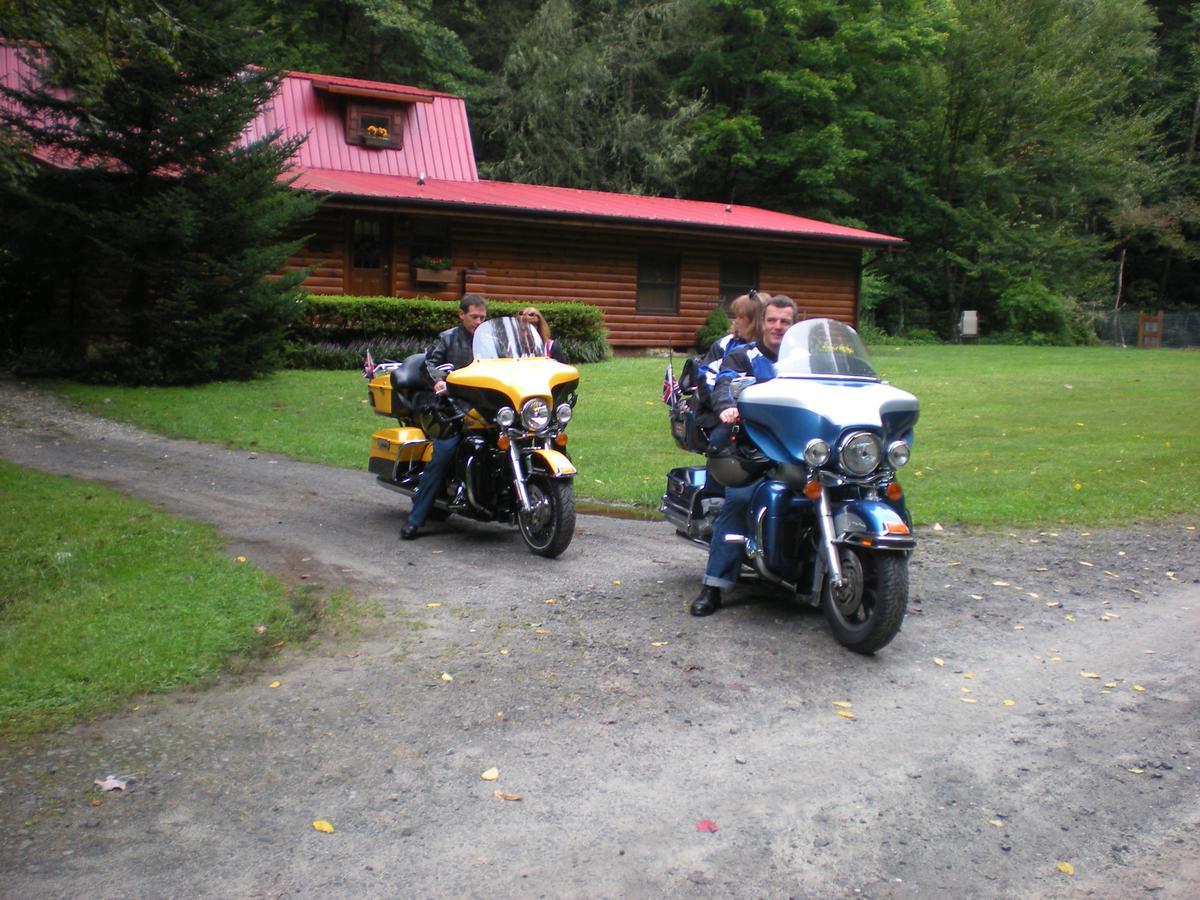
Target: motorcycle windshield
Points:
(823, 347)
(507, 338)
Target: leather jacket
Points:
(452, 346)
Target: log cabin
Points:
(406, 214)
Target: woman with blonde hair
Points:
(534, 317)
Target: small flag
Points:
(671, 393)
(369, 366)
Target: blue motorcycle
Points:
(827, 520)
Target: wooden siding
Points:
(541, 262)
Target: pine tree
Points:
(146, 245)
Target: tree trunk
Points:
(1118, 335)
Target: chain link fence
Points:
(1179, 329)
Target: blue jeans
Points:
(725, 558)
(433, 479)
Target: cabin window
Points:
(374, 125)
(738, 276)
(658, 284)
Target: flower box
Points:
(435, 276)
(370, 140)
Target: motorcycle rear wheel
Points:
(549, 526)
(867, 611)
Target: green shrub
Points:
(714, 327)
(335, 332)
(1033, 314)
(922, 336)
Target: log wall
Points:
(541, 262)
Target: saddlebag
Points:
(690, 503)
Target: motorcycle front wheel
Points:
(865, 613)
(550, 524)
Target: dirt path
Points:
(621, 721)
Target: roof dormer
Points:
(375, 113)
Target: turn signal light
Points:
(812, 490)
(502, 442)
(561, 439)
(895, 528)
(893, 491)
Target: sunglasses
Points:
(533, 316)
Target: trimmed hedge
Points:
(335, 332)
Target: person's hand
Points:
(730, 416)
(439, 388)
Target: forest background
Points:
(1039, 156)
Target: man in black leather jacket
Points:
(453, 348)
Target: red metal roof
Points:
(435, 134)
(436, 164)
(541, 200)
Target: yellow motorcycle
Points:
(512, 406)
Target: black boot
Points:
(409, 532)
(708, 601)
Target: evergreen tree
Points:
(147, 241)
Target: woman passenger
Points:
(533, 316)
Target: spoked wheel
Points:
(866, 611)
(550, 524)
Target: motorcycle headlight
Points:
(861, 453)
(816, 453)
(563, 414)
(535, 414)
(898, 453)
(505, 416)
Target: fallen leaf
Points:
(504, 795)
(432, 605)
(968, 699)
(540, 631)
(968, 674)
(1000, 584)
(938, 662)
(95, 801)
(1009, 702)
(846, 714)
(1137, 771)
(1083, 562)
(274, 684)
(842, 704)
(977, 596)
(1065, 867)
(504, 651)
(552, 600)
(260, 629)
(1088, 675)
(240, 559)
(322, 826)
(491, 774)
(446, 676)
(616, 581)
(1139, 689)
(965, 690)
(951, 565)
(707, 825)
(1110, 684)
(658, 643)
(111, 783)
(999, 823)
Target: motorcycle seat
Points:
(407, 381)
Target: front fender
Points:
(552, 462)
(871, 523)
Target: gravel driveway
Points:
(983, 759)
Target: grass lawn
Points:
(1007, 436)
(102, 598)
